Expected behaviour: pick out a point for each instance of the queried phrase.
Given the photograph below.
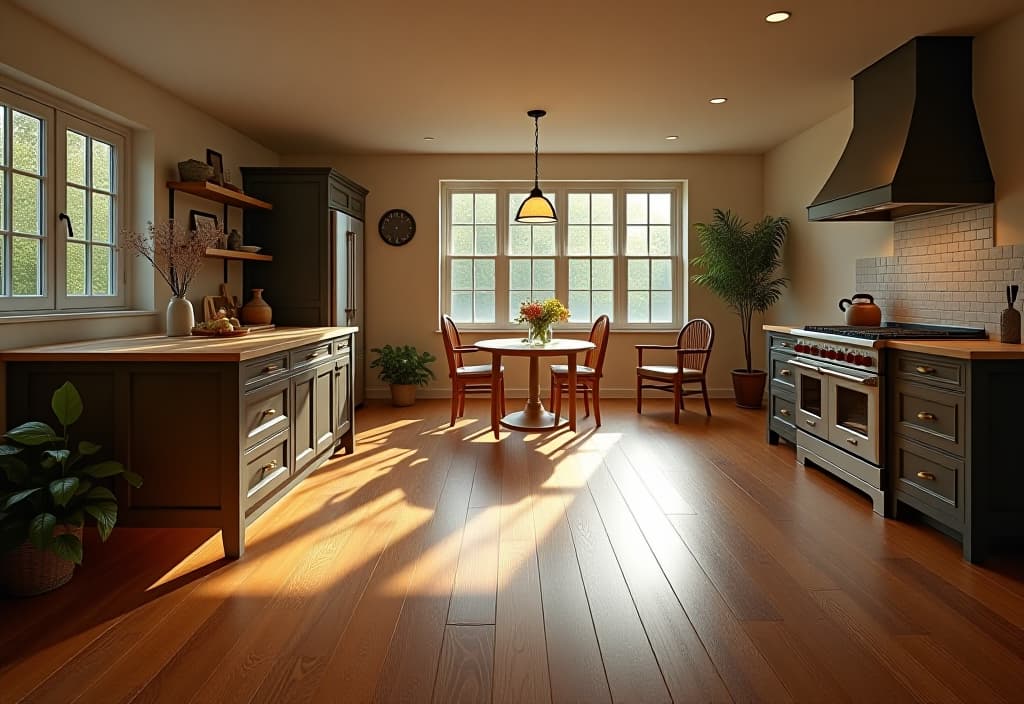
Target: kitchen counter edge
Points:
(957, 349)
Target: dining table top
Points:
(519, 347)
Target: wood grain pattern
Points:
(779, 584)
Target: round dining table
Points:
(534, 417)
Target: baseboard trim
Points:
(383, 392)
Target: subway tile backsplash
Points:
(944, 270)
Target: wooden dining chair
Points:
(466, 379)
(693, 351)
(588, 374)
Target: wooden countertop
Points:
(159, 348)
(958, 349)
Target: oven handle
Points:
(829, 371)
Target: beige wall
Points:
(821, 257)
(165, 130)
(402, 283)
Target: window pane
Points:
(603, 240)
(638, 274)
(544, 276)
(26, 279)
(3, 142)
(76, 269)
(27, 138)
(76, 158)
(636, 208)
(462, 306)
(661, 208)
(661, 275)
(579, 274)
(639, 307)
(579, 207)
(519, 240)
(101, 271)
(516, 297)
(3, 205)
(3, 267)
(602, 208)
(579, 240)
(102, 221)
(462, 239)
(661, 240)
(483, 307)
(636, 240)
(604, 274)
(661, 307)
(486, 208)
(462, 274)
(579, 305)
(26, 210)
(520, 275)
(544, 240)
(486, 240)
(76, 211)
(483, 274)
(462, 208)
(102, 166)
(603, 304)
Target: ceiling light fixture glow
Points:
(776, 17)
(536, 209)
(672, 137)
(428, 139)
(717, 101)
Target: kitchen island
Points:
(219, 428)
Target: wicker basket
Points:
(193, 170)
(26, 571)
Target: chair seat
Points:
(563, 370)
(476, 370)
(669, 372)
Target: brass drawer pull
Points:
(785, 372)
(810, 423)
(314, 355)
(783, 411)
(270, 368)
(926, 475)
(926, 370)
(269, 412)
(851, 441)
(925, 415)
(269, 466)
(784, 344)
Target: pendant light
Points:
(536, 210)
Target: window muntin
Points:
(616, 250)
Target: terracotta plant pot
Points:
(403, 394)
(748, 387)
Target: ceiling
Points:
(615, 77)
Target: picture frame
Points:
(197, 217)
(216, 160)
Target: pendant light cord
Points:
(536, 152)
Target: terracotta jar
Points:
(256, 311)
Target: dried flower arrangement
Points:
(175, 252)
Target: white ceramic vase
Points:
(180, 317)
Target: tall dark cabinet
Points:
(315, 233)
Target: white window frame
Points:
(557, 192)
(58, 116)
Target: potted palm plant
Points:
(740, 264)
(404, 368)
(48, 486)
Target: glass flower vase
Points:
(539, 335)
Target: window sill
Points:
(65, 316)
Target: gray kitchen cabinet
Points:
(954, 446)
(781, 391)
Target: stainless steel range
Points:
(840, 397)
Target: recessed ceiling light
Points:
(717, 101)
(428, 139)
(777, 17)
(672, 137)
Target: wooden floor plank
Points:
(476, 580)
(465, 674)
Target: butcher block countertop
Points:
(159, 348)
(958, 349)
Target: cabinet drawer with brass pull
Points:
(933, 417)
(265, 413)
(311, 355)
(929, 479)
(940, 372)
(263, 371)
(266, 470)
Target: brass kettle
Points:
(861, 311)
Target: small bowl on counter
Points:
(250, 248)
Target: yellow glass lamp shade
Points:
(536, 210)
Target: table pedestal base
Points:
(533, 417)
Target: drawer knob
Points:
(810, 423)
(270, 412)
(926, 475)
(268, 466)
(314, 355)
(851, 441)
(783, 411)
(270, 368)
(925, 370)
(785, 372)
(784, 344)
(925, 415)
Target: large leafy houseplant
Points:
(403, 367)
(739, 263)
(47, 481)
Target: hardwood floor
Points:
(639, 562)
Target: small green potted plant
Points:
(47, 488)
(739, 263)
(404, 368)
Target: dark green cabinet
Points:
(781, 391)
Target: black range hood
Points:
(916, 145)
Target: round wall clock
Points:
(396, 227)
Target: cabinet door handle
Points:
(271, 368)
(314, 355)
(784, 344)
(926, 475)
(272, 464)
(851, 441)
(925, 370)
(783, 411)
(810, 423)
(785, 372)
(269, 412)
(925, 415)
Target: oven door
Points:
(811, 399)
(853, 404)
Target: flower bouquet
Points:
(540, 316)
